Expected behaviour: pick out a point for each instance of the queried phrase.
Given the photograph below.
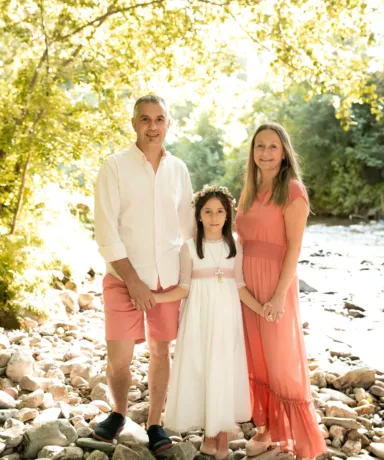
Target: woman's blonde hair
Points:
(289, 169)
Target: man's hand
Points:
(142, 297)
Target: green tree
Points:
(202, 151)
(69, 69)
(344, 170)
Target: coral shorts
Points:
(124, 322)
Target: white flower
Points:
(212, 189)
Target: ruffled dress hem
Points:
(291, 422)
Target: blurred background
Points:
(71, 70)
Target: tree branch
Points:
(109, 13)
(46, 40)
(37, 70)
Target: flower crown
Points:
(213, 189)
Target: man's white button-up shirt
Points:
(143, 215)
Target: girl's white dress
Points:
(209, 380)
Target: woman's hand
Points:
(274, 309)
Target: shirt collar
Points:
(139, 155)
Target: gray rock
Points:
(338, 396)
(377, 390)
(344, 422)
(304, 287)
(27, 414)
(101, 392)
(20, 364)
(355, 435)
(47, 415)
(70, 453)
(11, 457)
(352, 447)
(49, 451)
(338, 409)
(6, 401)
(365, 422)
(143, 452)
(6, 414)
(182, 451)
(132, 432)
(32, 400)
(237, 444)
(69, 299)
(139, 412)
(239, 454)
(83, 431)
(90, 443)
(377, 448)
(88, 411)
(97, 455)
(356, 378)
(58, 433)
(333, 452)
(5, 356)
(337, 432)
(67, 367)
(195, 440)
(356, 313)
(12, 437)
(125, 453)
(318, 378)
(352, 306)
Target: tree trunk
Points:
(16, 214)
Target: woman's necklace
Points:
(218, 272)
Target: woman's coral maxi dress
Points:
(277, 362)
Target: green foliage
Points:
(202, 151)
(70, 70)
(51, 247)
(344, 170)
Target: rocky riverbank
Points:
(53, 391)
(52, 375)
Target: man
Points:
(143, 213)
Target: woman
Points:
(271, 219)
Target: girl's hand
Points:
(156, 297)
(274, 309)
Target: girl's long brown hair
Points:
(289, 169)
(227, 228)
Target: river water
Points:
(344, 262)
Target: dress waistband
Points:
(263, 250)
(213, 273)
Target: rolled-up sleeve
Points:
(107, 209)
(185, 210)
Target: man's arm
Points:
(185, 210)
(111, 248)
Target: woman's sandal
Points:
(253, 448)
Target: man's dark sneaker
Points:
(109, 428)
(158, 439)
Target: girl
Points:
(209, 386)
(271, 219)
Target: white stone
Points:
(20, 364)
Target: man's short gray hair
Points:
(150, 98)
